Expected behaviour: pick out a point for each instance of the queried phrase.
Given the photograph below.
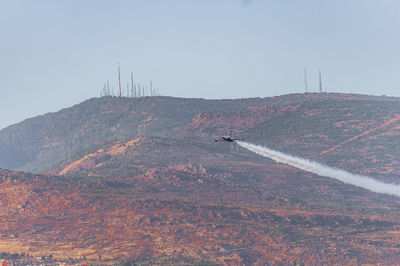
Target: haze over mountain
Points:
(143, 180)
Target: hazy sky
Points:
(56, 53)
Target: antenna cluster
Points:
(306, 83)
(132, 90)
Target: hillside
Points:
(228, 208)
(146, 183)
(37, 144)
(356, 134)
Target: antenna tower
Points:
(119, 81)
(305, 82)
(151, 88)
(132, 90)
(320, 82)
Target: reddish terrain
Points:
(181, 198)
(45, 215)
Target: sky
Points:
(57, 53)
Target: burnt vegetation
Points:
(140, 182)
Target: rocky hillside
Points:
(144, 182)
(227, 208)
(38, 143)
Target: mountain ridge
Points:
(105, 119)
(36, 144)
(171, 193)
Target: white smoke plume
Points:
(322, 170)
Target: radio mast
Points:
(320, 82)
(133, 90)
(119, 80)
(305, 81)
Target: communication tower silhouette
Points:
(305, 82)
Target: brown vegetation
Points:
(181, 197)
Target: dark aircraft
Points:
(227, 138)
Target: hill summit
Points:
(39, 143)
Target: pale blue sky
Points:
(56, 53)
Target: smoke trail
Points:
(322, 170)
